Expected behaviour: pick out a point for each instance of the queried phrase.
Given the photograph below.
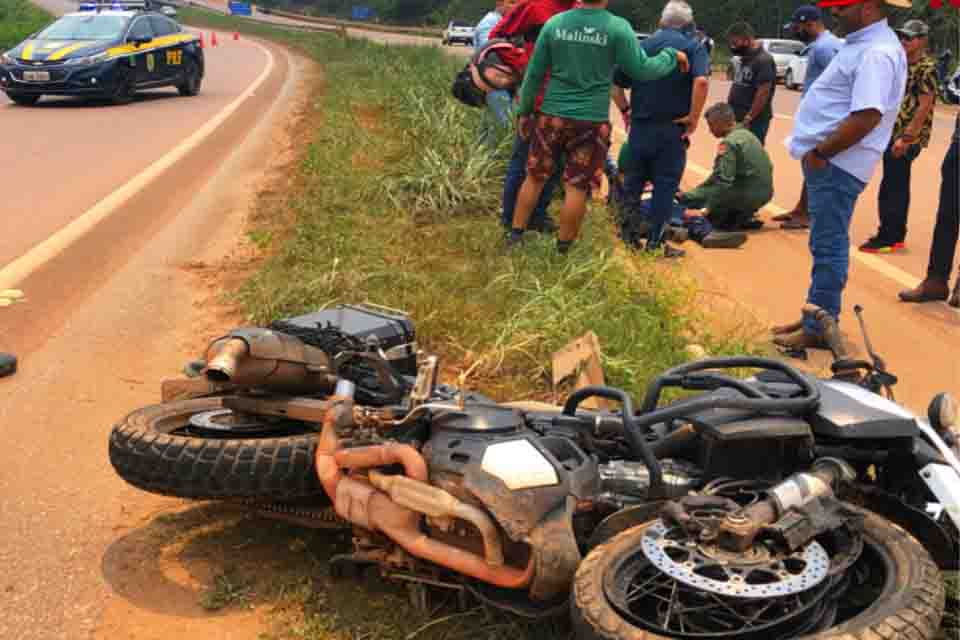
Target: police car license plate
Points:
(36, 76)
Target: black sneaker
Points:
(876, 245)
(723, 240)
(676, 234)
(547, 226)
(666, 251)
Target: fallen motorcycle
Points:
(761, 506)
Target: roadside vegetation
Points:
(18, 19)
(393, 202)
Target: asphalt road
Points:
(769, 276)
(108, 311)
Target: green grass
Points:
(395, 204)
(19, 19)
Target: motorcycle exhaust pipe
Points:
(270, 360)
(224, 365)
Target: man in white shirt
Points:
(841, 130)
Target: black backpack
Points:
(486, 72)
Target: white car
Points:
(458, 31)
(783, 51)
(796, 73)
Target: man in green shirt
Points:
(742, 178)
(580, 48)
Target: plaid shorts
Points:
(580, 144)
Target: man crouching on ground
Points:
(580, 48)
(742, 178)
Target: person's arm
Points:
(764, 81)
(875, 76)
(928, 93)
(635, 62)
(700, 69)
(619, 97)
(513, 23)
(536, 71)
(720, 181)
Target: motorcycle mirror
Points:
(943, 413)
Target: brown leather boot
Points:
(927, 291)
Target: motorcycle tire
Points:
(145, 453)
(910, 604)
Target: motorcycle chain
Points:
(324, 517)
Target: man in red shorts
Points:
(580, 48)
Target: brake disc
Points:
(757, 573)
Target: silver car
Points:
(783, 51)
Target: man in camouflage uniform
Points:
(911, 135)
(742, 178)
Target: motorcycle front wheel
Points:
(197, 449)
(894, 590)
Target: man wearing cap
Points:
(841, 130)
(807, 26)
(911, 135)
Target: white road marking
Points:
(876, 263)
(20, 269)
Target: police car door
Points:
(169, 51)
(144, 57)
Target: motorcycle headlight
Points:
(6, 58)
(91, 59)
(943, 413)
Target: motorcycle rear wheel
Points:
(156, 449)
(910, 602)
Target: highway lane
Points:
(110, 314)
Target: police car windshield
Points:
(92, 27)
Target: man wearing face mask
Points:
(841, 130)
(751, 94)
(807, 26)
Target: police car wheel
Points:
(123, 89)
(191, 80)
(23, 100)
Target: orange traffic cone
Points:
(213, 38)
(236, 35)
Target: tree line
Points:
(768, 17)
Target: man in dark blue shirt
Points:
(661, 116)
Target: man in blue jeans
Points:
(841, 130)
(663, 115)
(499, 102)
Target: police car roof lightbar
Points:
(115, 5)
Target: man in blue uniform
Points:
(663, 115)
(807, 26)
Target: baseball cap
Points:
(823, 4)
(914, 29)
(806, 13)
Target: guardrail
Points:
(353, 24)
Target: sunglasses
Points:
(905, 37)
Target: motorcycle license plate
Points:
(36, 76)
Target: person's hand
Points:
(625, 114)
(814, 161)
(523, 127)
(689, 125)
(683, 63)
(900, 148)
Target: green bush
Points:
(19, 19)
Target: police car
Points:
(104, 51)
